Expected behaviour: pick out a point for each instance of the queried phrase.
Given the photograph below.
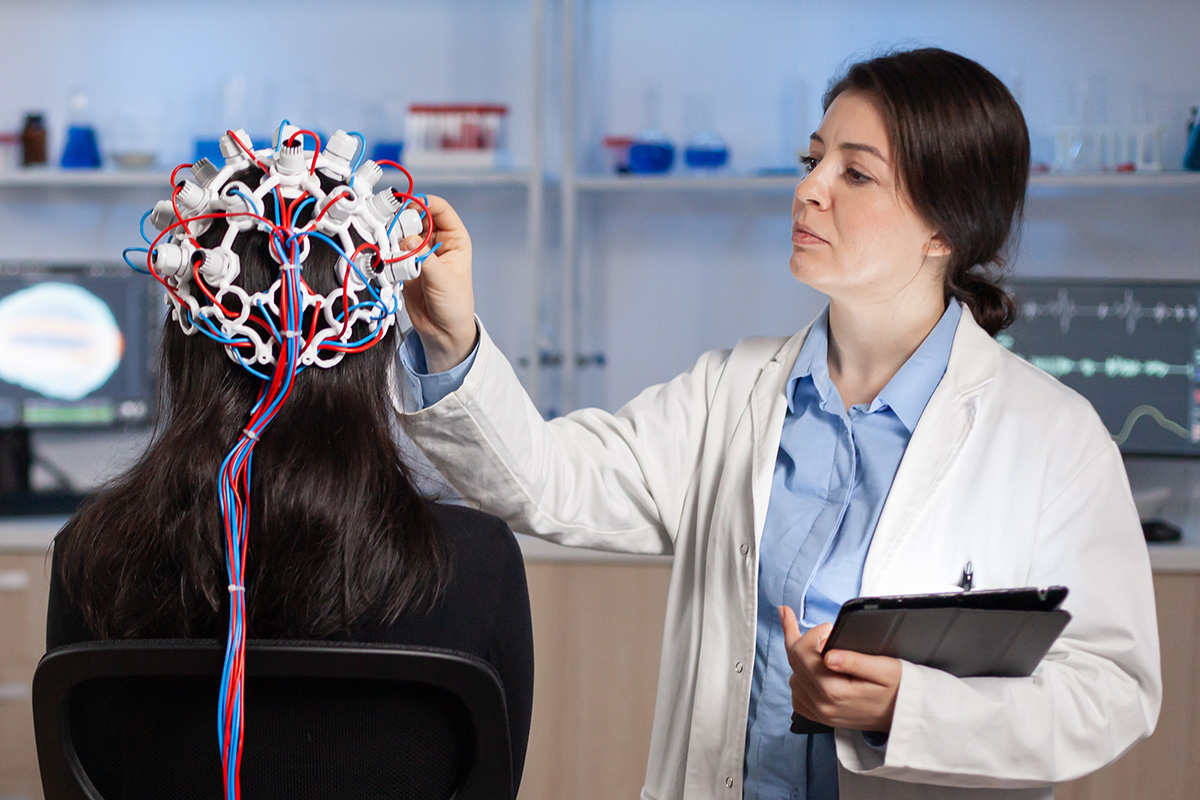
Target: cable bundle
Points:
(268, 328)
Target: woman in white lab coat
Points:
(915, 178)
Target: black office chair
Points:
(137, 719)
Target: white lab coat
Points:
(1007, 469)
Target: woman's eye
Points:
(856, 177)
(808, 164)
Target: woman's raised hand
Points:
(440, 301)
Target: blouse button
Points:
(729, 782)
(737, 667)
(745, 548)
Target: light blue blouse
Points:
(833, 472)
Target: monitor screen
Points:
(76, 346)
(1132, 348)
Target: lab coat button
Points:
(745, 548)
(728, 782)
(737, 667)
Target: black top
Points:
(484, 611)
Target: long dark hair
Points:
(339, 538)
(962, 154)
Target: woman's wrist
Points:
(444, 353)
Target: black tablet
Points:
(1000, 633)
(996, 633)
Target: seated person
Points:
(338, 543)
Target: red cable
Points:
(387, 162)
(312, 329)
(329, 205)
(165, 231)
(179, 216)
(208, 292)
(175, 171)
(316, 151)
(248, 151)
(346, 283)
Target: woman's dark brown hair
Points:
(339, 538)
(961, 151)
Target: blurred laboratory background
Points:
(626, 171)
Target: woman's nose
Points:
(811, 190)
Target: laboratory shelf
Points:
(772, 183)
(686, 183)
(50, 178)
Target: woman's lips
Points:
(802, 235)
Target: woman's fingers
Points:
(880, 670)
(841, 688)
(446, 222)
(791, 628)
(441, 301)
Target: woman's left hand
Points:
(842, 689)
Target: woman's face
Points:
(855, 235)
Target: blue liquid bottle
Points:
(81, 150)
(1191, 157)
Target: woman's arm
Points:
(592, 478)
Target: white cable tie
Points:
(233, 588)
(249, 434)
(291, 266)
(290, 334)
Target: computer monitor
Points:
(77, 348)
(1132, 348)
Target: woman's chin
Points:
(805, 271)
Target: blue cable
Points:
(125, 255)
(337, 248)
(211, 331)
(279, 135)
(142, 227)
(250, 201)
(300, 208)
(421, 258)
(362, 149)
(274, 331)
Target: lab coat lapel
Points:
(768, 407)
(935, 445)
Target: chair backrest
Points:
(134, 719)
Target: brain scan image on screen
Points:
(58, 340)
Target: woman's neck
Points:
(869, 342)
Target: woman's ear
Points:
(936, 246)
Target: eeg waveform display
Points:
(1132, 348)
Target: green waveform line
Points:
(1157, 416)
(1111, 367)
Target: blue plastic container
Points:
(210, 149)
(388, 151)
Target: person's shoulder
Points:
(1021, 379)
(1044, 406)
(761, 349)
(476, 532)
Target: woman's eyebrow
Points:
(861, 148)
